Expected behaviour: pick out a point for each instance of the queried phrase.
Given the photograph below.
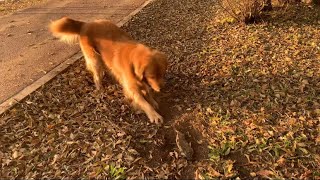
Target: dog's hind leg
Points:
(94, 64)
(96, 67)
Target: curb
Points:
(9, 103)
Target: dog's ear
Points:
(162, 60)
(139, 67)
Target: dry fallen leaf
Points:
(265, 173)
(15, 154)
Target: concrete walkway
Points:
(28, 51)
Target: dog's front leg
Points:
(150, 99)
(138, 99)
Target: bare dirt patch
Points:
(246, 99)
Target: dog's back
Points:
(70, 30)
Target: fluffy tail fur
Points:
(66, 29)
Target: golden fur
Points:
(136, 66)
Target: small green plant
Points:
(225, 147)
(117, 173)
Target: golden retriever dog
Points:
(136, 67)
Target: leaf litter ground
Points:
(243, 101)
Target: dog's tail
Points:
(66, 29)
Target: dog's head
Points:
(152, 69)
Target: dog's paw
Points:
(99, 86)
(154, 117)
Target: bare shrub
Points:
(247, 11)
